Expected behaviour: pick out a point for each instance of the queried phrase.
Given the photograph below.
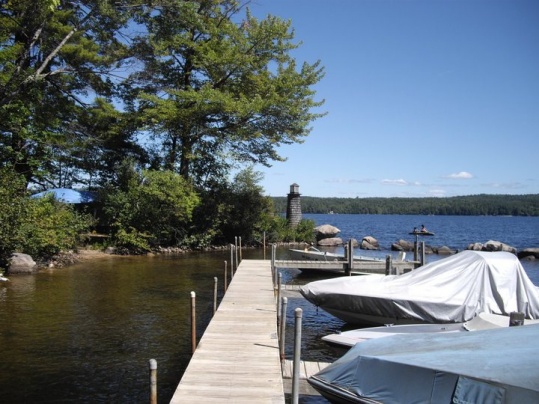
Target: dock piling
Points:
(516, 319)
(214, 295)
(282, 329)
(193, 323)
(297, 355)
(226, 278)
(153, 381)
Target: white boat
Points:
(488, 366)
(313, 254)
(451, 290)
(483, 321)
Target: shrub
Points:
(50, 226)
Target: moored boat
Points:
(483, 321)
(488, 366)
(451, 290)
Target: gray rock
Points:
(492, 245)
(326, 231)
(402, 245)
(330, 242)
(369, 243)
(475, 247)
(21, 264)
(529, 253)
(444, 250)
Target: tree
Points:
(149, 209)
(55, 55)
(13, 211)
(216, 87)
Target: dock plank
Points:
(237, 358)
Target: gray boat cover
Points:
(454, 289)
(488, 366)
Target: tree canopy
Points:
(216, 87)
(56, 57)
(193, 87)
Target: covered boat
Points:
(490, 366)
(451, 290)
(483, 321)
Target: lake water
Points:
(85, 334)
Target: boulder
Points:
(402, 245)
(492, 245)
(21, 264)
(330, 242)
(444, 250)
(326, 231)
(475, 247)
(529, 253)
(369, 243)
(355, 244)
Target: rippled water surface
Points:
(85, 334)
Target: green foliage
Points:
(54, 56)
(475, 205)
(213, 91)
(13, 206)
(149, 209)
(51, 226)
(280, 231)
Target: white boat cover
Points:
(454, 289)
(488, 366)
(483, 321)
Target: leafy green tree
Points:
(51, 226)
(55, 55)
(247, 207)
(217, 86)
(153, 208)
(13, 208)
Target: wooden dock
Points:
(237, 358)
(358, 267)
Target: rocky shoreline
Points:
(24, 264)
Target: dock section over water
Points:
(237, 358)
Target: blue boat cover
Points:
(489, 366)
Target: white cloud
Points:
(395, 182)
(348, 181)
(461, 175)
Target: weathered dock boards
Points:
(359, 267)
(237, 358)
(307, 369)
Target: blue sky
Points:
(424, 98)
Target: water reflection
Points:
(85, 333)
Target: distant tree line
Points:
(471, 205)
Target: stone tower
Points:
(293, 207)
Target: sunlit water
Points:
(85, 334)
